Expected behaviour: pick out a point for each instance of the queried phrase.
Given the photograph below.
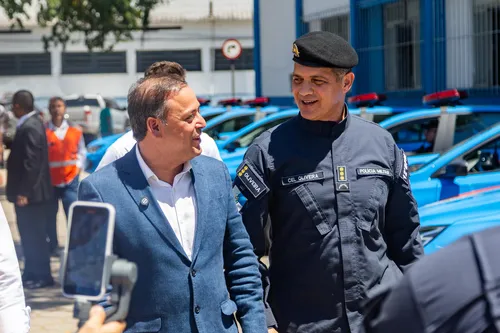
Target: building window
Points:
(486, 43)
(244, 62)
(402, 45)
(94, 62)
(25, 64)
(337, 24)
(189, 59)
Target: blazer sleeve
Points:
(242, 269)
(33, 157)
(88, 192)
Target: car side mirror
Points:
(455, 169)
(231, 147)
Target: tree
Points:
(103, 23)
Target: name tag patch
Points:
(251, 180)
(373, 172)
(307, 177)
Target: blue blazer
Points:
(172, 293)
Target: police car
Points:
(424, 134)
(470, 165)
(443, 222)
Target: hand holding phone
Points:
(88, 245)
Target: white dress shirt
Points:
(14, 315)
(60, 133)
(126, 142)
(24, 118)
(177, 201)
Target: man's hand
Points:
(21, 201)
(97, 316)
(271, 330)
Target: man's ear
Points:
(153, 126)
(348, 80)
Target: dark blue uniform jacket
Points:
(343, 219)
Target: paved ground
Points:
(51, 312)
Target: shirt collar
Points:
(149, 174)
(53, 127)
(23, 118)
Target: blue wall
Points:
(367, 31)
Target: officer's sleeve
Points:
(402, 222)
(251, 180)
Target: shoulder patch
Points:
(251, 180)
(403, 174)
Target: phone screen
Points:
(86, 251)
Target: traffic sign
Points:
(231, 49)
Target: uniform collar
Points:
(325, 128)
(23, 119)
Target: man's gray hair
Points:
(147, 98)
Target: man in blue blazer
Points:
(176, 218)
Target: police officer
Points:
(455, 290)
(336, 190)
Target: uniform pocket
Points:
(318, 217)
(371, 195)
(228, 308)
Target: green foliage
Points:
(102, 23)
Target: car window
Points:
(230, 125)
(413, 137)
(111, 104)
(485, 158)
(246, 140)
(468, 125)
(207, 118)
(377, 118)
(82, 102)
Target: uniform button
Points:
(197, 309)
(193, 273)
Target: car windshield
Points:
(461, 143)
(82, 102)
(246, 140)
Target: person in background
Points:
(14, 315)
(67, 155)
(126, 142)
(106, 122)
(30, 189)
(430, 132)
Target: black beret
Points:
(324, 49)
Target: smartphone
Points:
(88, 243)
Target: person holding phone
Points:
(177, 219)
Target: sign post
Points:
(231, 49)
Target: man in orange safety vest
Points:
(67, 155)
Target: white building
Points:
(194, 40)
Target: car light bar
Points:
(366, 100)
(446, 97)
(259, 101)
(230, 102)
(203, 101)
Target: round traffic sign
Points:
(231, 49)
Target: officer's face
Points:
(182, 129)
(319, 93)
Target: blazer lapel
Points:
(138, 188)
(201, 190)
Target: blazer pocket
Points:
(228, 307)
(150, 326)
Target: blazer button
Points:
(197, 309)
(193, 272)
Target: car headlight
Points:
(427, 234)
(93, 149)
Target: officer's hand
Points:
(97, 316)
(271, 330)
